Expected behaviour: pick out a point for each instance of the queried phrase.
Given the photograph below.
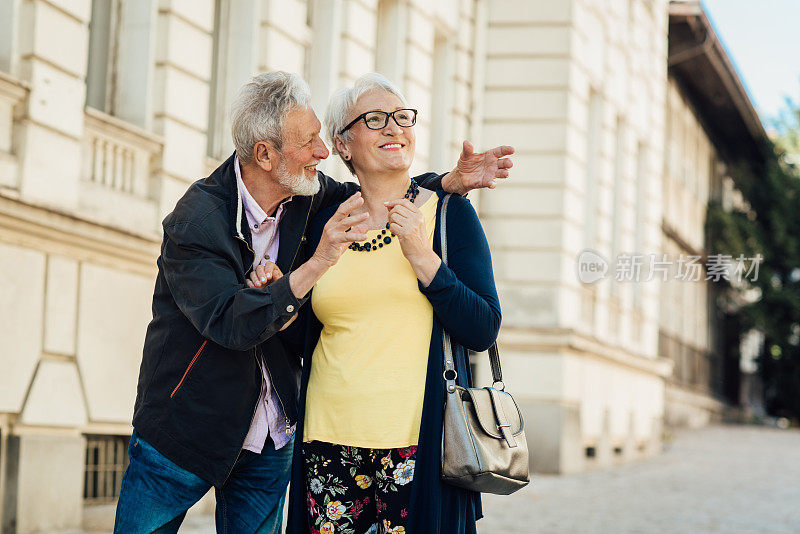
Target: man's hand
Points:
(475, 170)
(340, 230)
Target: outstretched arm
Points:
(476, 170)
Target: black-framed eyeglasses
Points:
(376, 120)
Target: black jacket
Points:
(199, 381)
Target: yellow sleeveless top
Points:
(368, 370)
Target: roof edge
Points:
(710, 45)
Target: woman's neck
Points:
(378, 191)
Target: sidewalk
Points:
(721, 480)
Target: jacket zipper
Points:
(288, 427)
(251, 250)
(283, 408)
(186, 372)
(255, 407)
(254, 349)
(302, 238)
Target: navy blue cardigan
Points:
(465, 303)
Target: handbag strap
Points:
(450, 374)
(494, 363)
(501, 418)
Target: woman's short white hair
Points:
(260, 107)
(342, 102)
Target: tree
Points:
(786, 127)
(769, 224)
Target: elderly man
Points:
(217, 395)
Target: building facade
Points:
(714, 139)
(585, 109)
(109, 109)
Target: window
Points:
(120, 69)
(8, 35)
(324, 19)
(617, 208)
(443, 90)
(233, 63)
(593, 156)
(106, 461)
(391, 40)
(307, 56)
(103, 49)
(639, 220)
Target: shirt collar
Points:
(255, 214)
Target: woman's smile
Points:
(391, 146)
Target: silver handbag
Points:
(483, 439)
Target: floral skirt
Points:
(357, 490)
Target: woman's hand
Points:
(478, 169)
(407, 222)
(264, 275)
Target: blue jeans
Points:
(156, 493)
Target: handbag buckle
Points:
(502, 385)
(455, 374)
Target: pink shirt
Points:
(269, 419)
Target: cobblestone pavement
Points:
(721, 480)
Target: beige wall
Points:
(585, 109)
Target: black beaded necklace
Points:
(383, 239)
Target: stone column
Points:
(55, 69)
(528, 219)
(181, 94)
(324, 65)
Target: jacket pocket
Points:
(189, 368)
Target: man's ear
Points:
(263, 153)
(341, 148)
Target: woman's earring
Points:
(347, 158)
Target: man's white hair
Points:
(342, 102)
(260, 108)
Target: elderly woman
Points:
(372, 389)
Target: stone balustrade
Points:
(118, 169)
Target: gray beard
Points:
(297, 184)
